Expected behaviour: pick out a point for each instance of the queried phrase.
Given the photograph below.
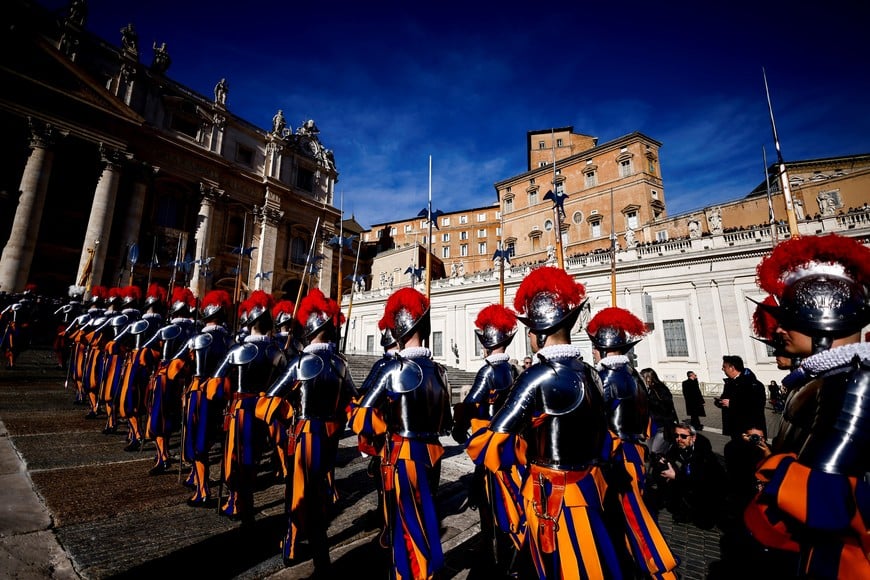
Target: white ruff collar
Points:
(612, 362)
(415, 352)
(836, 357)
(258, 338)
(498, 357)
(318, 347)
(560, 351)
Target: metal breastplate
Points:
(254, 366)
(569, 394)
(209, 349)
(323, 396)
(491, 388)
(424, 410)
(626, 399)
(840, 434)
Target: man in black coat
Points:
(693, 479)
(742, 400)
(694, 400)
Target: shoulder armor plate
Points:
(307, 366)
(170, 332)
(202, 341)
(562, 388)
(243, 354)
(139, 327)
(406, 375)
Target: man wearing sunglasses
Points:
(691, 478)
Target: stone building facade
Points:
(117, 172)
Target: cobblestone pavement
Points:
(115, 521)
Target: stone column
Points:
(268, 216)
(100, 220)
(18, 252)
(133, 222)
(208, 195)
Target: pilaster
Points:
(208, 195)
(267, 217)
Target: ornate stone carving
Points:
(220, 92)
(161, 60)
(43, 135)
(130, 42)
(114, 158)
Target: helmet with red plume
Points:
(183, 302)
(283, 312)
(99, 295)
(406, 312)
(387, 339)
(215, 305)
(155, 297)
(496, 326)
(257, 308)
(615, 329)
(550, 299)
(821, 286)
(317, 312)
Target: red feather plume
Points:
(100, 292)
(259, 299)
(116, 292)
(800, 252)
(382, 324)
(132, 292)
(495, 315)
(621, 318)
(553, 280)
(156, 291)
(763, 323)
(183, 294)
(217, 297)
(315, 302)
(283, 307)
(408, 299)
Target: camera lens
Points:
(755, 439)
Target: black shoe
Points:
(200, 503)
(91, 415)
(110, 430)
(158, 469)
(134, 445)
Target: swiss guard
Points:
(613, 333)
(495, 494)
(554, 424)
(163, 397)
(410, 404)
(203, 411)
(246, 372)
(116, 352)
(319, 387)
(140, 364)
(814, 487)
(78, 335)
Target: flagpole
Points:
(350, 302)
(151, 265)
(560, 256)
(340, 247)
(238, 289)
(429, 240)
(770, 214)
(174, 267)
(500, 275)
(612, 254)
(783, 175)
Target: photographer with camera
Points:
(691, 478)
(742, 456)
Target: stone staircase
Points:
(460, 380)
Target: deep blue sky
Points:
(391, 82)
